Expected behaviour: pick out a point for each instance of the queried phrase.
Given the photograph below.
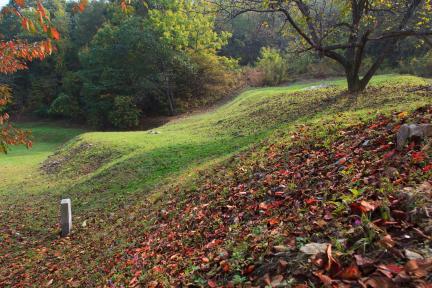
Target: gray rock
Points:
(412, 132)
(411, 255)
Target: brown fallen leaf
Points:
(276, 280)
(331, 261)
(326, 280)
(387, 241)
(225, 266)
(377, 282)
(363, 261)
(419, 268)
(351, 272)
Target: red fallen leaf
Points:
(285, 172)
(225, 266)
(326, 280)
(205, 260)
(385, 147)
(390, 268)
(418, 157)
(213, 243)
(157, 269)
(273, 221)
(357, 208)
(341, 161)
(349, 273)
(133, 281)
(211, 283)
(390, 154)
(427, 168)
(311, 201)
(249, 269)
(263, 206)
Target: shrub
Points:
(64, 106)
(254, 77)
(422, 66)
(274, 67)
(124, 114)
(207, 79)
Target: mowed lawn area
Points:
(21, 163)
(106, 174)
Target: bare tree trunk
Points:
(169, 95)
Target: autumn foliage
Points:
(14, 56)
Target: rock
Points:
(365, 143)
(316, 87)
(412, 132)
(154, 132)
(314, 248)
(392, 173)
(281, 248)
(425, 188)
(412, 255)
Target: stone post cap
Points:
(65, 201)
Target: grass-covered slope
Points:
(117, 179)
(119, 163)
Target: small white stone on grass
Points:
(65, 217)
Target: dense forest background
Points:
(113, 69)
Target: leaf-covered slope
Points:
(248, 221)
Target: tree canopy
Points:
(342, 30)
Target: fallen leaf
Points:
(314, 248)
(349, 273)
(326, 280)
(387, 241)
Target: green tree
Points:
(343, 30)
(273, 65)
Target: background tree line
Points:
(114, 65)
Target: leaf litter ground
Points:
(337, 207)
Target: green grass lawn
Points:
(104, 172)
(22, 163)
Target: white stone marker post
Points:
(65, 217)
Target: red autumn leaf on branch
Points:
(20, 3)
(54, 33)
